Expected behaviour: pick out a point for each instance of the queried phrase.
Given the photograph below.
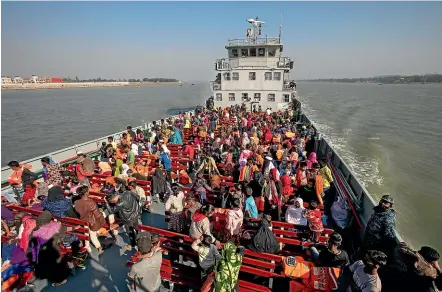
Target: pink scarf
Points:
(47, 231)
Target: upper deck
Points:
(231, 43)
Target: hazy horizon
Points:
(182, 40)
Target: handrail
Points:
(258, 41)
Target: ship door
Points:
(254, 106)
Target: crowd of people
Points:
(273, 174)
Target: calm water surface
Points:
(389, 135)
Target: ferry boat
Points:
(255, 73)
(257, 76)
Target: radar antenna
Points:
(256, 30)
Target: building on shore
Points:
(17, 80)
(33, 79)
(6, 80)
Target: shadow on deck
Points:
(107, 272)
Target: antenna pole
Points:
(280, 29)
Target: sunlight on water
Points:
(366, 168)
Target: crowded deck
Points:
(247, 203)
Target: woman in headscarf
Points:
(255, 138)
(259, 157)
(229, 163)
(287, 189)
(57, 204)
(105, 168)
(27, 225)
(116, 165)
(273, 193)
(140, 135)
(226, 276)
(234, 220)
(245, 140)
(264, 240)
(175, 206)
(44, 251)
(200, 224)
(314, 219)
(294, 213)
(257, 185)
(123, 174)
(159, 184)
(176, 137)
(268, 166)
(311, 159)
(294, 158)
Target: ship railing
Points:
(223, 64)
(288, 85)
(258, 41)
(226, 64)
(214, 85)
(285, 62)
(68, 155)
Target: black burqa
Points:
(264, 240)
(159, 183)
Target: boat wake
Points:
(366, 168)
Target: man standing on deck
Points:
(380, 230)
(296, 110)
(167, 163)
(127, 205)
(130, 160)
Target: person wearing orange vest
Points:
(20, 178)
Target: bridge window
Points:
(245, 96)
(231, 96)
(227, 76)
(277, 76)
(286, 97)
(235, 76)
(268, 76)
(244, 52)
(261, 52)
(272, 52)
(253, 52)
(271, 97)
(252, 75)
(219, 97)
(235, 53)
(257, 97)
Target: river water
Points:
(388, 134)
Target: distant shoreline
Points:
(154, 83)
(33, 86)
(393, 79)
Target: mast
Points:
(280, 29)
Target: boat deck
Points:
(107, 272)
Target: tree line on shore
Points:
(395, 79)
(156, 79)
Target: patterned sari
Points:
(226, 275)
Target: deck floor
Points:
(107, 272)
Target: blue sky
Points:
(183, 39)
